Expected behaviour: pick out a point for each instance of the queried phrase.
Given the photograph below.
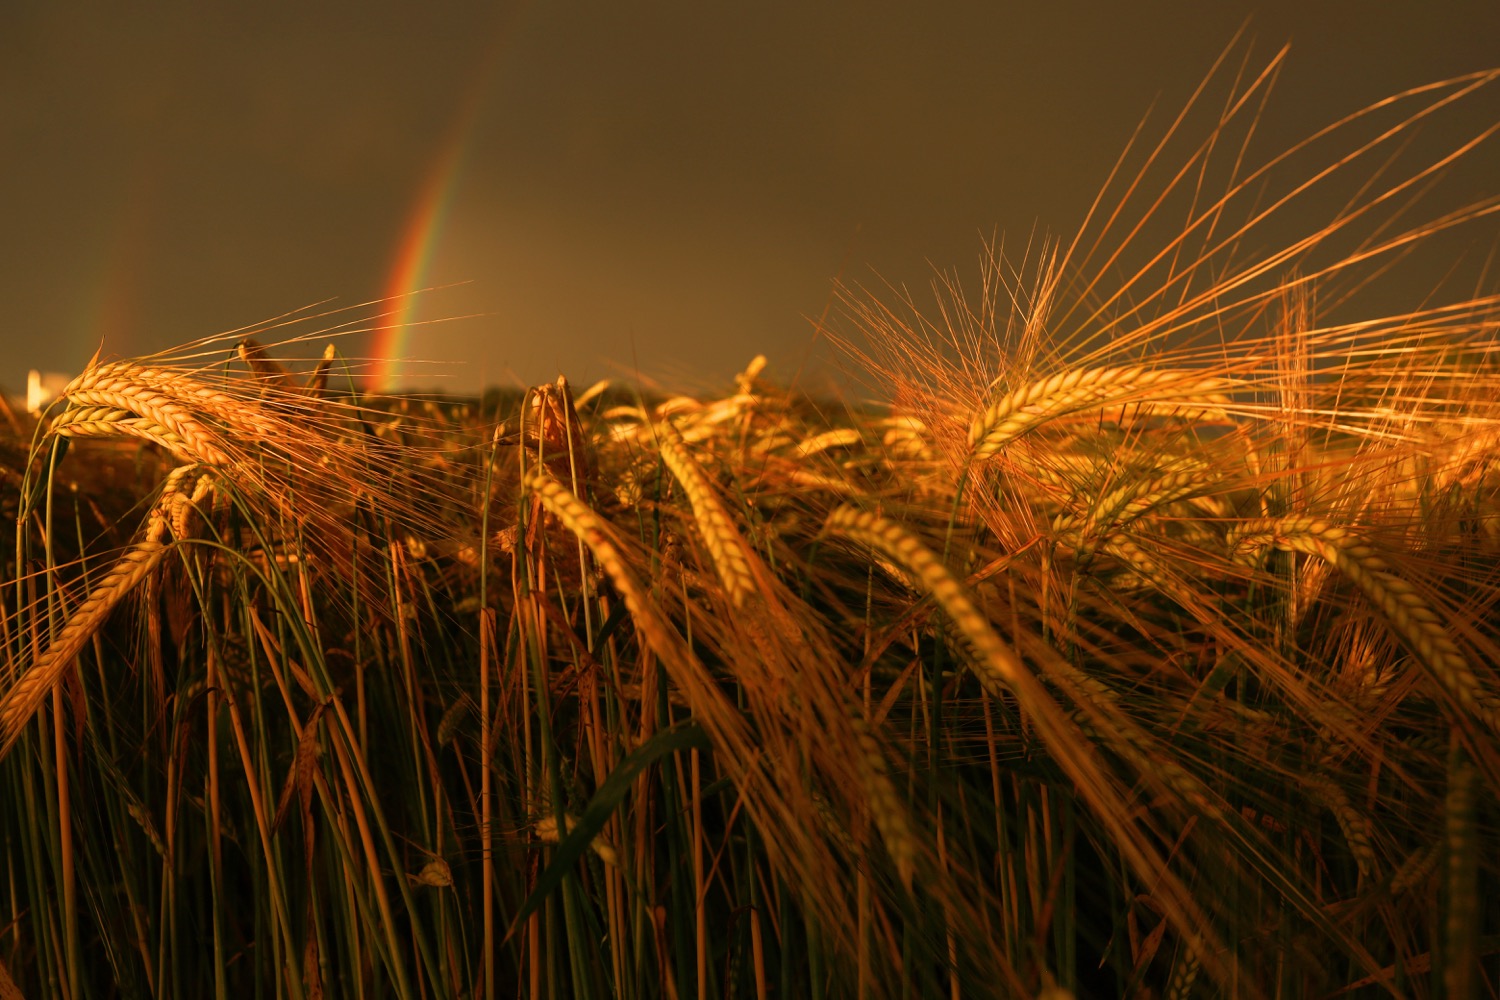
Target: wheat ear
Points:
(715, 526)
(21, 702)
(1417, 868)
(1397, 599)
(1468, 457)
(175, 503)
(1123, 505)
(8, 988)
(180, 387)
(886, 807)
(579, 518)
(1184, 974)
(1130, 741)
(999, 669)
(839, 437)
(164, 411)
(109, 421)
(1358, 833)
(1094, 388)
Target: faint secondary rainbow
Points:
(407, 277)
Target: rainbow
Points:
(391, 342)
(413, 255)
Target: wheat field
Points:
(1136, 635)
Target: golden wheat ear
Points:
(20, 703)
(1136, 391)
(745, 380)
(317, 382)
(726, 548)
(267, 368)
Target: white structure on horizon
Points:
(42, 388)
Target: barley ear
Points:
(20, 703)
(715, 525)
(581, 519)
(110, 421)
(885, 805)
(1187, 394)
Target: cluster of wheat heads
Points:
(1250, 547)
(1140, 641)
(256, 539)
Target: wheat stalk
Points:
(1094, 388)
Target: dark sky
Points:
(668, 186)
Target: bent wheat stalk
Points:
(735, 745)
